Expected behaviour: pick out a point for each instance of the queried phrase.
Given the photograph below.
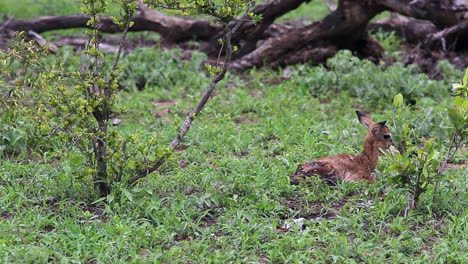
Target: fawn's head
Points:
(378, 134)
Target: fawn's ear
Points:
(364, 119)
(381, 125)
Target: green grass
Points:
(314, 11)
(31, 9)
(225, 197)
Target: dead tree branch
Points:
(441, 39)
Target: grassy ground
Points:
(225, 196)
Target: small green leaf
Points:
(110, 198)
(398, 100)
(127, 195)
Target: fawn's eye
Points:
(387, 136)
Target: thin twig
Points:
(417, 188)
(121, 44)
(448, 156)
(228, 32)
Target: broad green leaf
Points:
(406, 165)
(433, 155)
(455, 116)
(425, 174)
(394, 167)
(458, 101)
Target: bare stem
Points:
(121, 43)
(417, 190)
(228, 32)
(453, 148)
(102, 114)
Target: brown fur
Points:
(347, 167)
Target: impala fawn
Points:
(346, 167)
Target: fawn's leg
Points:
(304, 170)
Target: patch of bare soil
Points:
(242, 154)
(257, 93)
(428, 59)
(244, 119)
(464, 165)
(182, 163)
(96, 212)
(192, 190)
(48, 228)
(6, 216)
(208, 221)
(181, 148)
(163, 107)
(313, 211)
(163, 102)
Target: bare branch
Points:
(460, 30)
(121, 46)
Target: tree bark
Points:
(452, 38)
(342, 29)
(410, 29)
(442, 13)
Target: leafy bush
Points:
(75, 104)
(371, 83)
(421, 163)
(389, 40)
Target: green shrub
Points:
(372, 84)
(147, 68)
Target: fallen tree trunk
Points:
(440, 24)
(410, 29)
(345, 28)
(442, 13)
(172, 29)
